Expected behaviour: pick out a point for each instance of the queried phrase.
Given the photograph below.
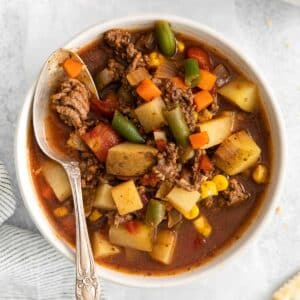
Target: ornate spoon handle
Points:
(87, 284)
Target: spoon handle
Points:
(87, 284)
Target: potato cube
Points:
(129, 159)
(163, 248)
(103, 197)
(183, 200)
(126, 197)
(102, 247)
(58, 179)
(241, 92)
(218, 129)
(237, 153)
(140, 239)
(151, 114)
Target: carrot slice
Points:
(148, 90)
(205, 163)
(201, 56)
(179, 82)
(198, 140)
(72, 67)
(207, 80)
(202, 100)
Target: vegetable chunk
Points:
(140, 239)
(128, 159)
(151, 115)
(218, 129)
(183, 200)
(102, 247)
(126, 197)
(241, 92)
(237, 153)
(103, 197)
(163, 249)
(58, 180)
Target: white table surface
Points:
(268, 31)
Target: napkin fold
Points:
(30, 268)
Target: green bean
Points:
(165, 38)
(126, 128)
(178, 126)
(155, 213)
(192, 72)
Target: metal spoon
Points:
(87, 284)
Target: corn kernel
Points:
(155, 59)
(193, 213)
(208, 188)
(60, 212)
(95, 215)
(260, 174)
(202, 226)
(221, 182)
(180, 46)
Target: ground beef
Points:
(117, 38)
(116, 68)
(90, 169)
(122, 43)
(184, 98)
(167, 167)
(235, 193)
(191, 178)
(72, 102)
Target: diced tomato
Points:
(132, 226)
(205, 163)
(47, 192)
(105, 107)
(100, 139)
(201, 56)
(161, 144)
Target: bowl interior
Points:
(243, 64)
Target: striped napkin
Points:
(29, 267)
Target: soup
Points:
(174, 156)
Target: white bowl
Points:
(237, 58)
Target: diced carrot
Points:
(179, 82)
(202, 100)
(72, 67)
(148, 90)
(132, 226)
(198, 140)
(205, 163)
(207, 80)
(201, 56)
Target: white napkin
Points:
(30, 268)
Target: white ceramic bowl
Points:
(237, 58)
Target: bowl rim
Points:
(27, 188)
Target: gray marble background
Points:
(267, 31)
